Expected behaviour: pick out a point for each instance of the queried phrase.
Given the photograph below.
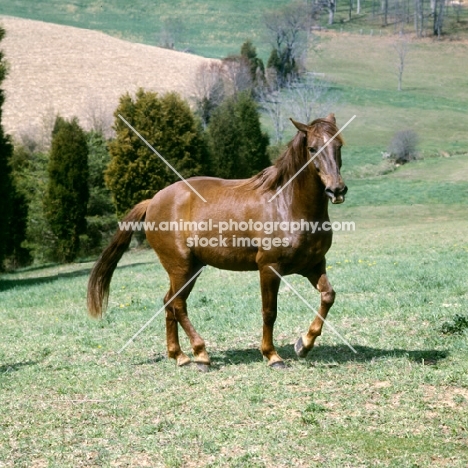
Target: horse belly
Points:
(227, 258)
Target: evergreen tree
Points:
(6, 182)
(238, 146)
(225, 141)
(254, 146)
(257, 69)
(67, 192)
(169, 126)
(101, 219)
(31, 180)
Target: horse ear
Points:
(331, 118)
(300, 126)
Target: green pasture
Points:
(211, 28)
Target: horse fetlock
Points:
(303, 346)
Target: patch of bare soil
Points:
(78, 72)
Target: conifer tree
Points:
(254, 145)
(238, 145)
(67, 192)
(100, 218)
(135, 172)
(6, 183)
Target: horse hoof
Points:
(300, 349)
(202, 367)
(183, 361)
(278, 365)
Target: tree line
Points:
(62, 203)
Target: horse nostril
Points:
(329, 192)
(344, 191)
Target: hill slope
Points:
(82, 73)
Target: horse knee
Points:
(328, 297)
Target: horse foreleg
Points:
(327, 296)
(269, 283)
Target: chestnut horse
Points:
(239, 206)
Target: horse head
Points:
(325, 154)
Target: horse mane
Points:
(291, 160)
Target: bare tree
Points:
(209, 91)
(236, 74)
(304, 99)
(385, 12)
(438, 13)
(403, 147)
(310, 98)
(419, 17)
(99, 116)
(401, 47)
(288, 31)
(331, 6)
(271, 102)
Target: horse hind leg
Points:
(176, 313)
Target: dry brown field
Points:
(78, 72)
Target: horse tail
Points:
(101, 275)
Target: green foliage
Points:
(67, 195)
(5, 172)
(101, 218)
(249, 53)
(238, 145)
(284, 65)
(458, 324)
(30, 174)
(135, 172)
(13, 208)
(6, 188)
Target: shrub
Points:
(456, 326)
(403, 146)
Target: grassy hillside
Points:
(211, 28)
(432, 102)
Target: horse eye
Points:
(312, 150)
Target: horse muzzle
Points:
(336, 195)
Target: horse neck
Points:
(308, 199)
